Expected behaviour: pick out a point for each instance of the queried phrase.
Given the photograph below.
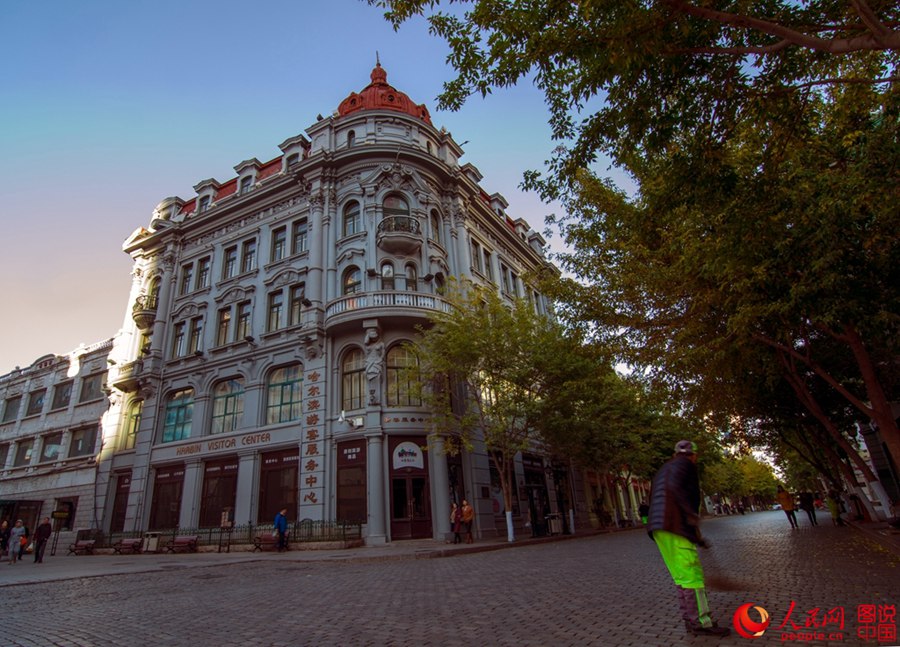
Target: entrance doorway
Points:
(410, 493)
(410, 511)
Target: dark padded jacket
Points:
(675, 499)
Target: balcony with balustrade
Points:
(144, 311)
(399, 235)
(383, 305)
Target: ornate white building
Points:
(50, 436)
(261, 361)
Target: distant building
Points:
(50, 438)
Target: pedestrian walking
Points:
(834, 508)
(17, 541)
(41, 535)
(786, 500)
(674, 524)
(281, 529)
(643, 511)
(456, 522)
(468, 516)
(808, 505)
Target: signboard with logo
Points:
(407, 454)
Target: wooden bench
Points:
(132, 546)
(187, 543)
(265, 542)
(82, 546)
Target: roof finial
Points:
(377, 60)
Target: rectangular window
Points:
(488, 268)
(276, 307)
(514, 284)
(246, 184)
(52, 445)
(83, 442)
(178, 340)
(92, 387)
(4, 454)
(11, 410)
(279, 243)
(179, 416)
(132, 424)
(243, 321)
(229, 267)
(187, 278)
(196, 337)
(204, 203)
(248, 256)
(35, 402)
(476, 256)
(224, 327)
(23, 452)
(298, 294)
(62, 393)
(203, 268)
(504, 278)
(299, 237)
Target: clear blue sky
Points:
(107, 107)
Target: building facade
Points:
(50, 437)
(261, 363)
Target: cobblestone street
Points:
(597, 590)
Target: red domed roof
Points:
(378, 95)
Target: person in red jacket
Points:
(674, 524)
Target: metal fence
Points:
(303, 531)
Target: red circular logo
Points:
(746, 626)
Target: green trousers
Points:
(683, 562)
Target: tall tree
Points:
(484, 366)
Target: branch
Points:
(869, 41)
(870, 20)
(818, 370)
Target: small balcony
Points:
(399, 235)
(128, 377)
(144, 311)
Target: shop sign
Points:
(408, 454)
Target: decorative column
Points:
(440, 486)
(248, 468)
(190, 494)
(376, 534)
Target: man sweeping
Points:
(674, 524)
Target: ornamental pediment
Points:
(237, 293)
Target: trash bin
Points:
(554, 524)
(151, 542)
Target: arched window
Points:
(387, 276)
(179, 416)
(394, 205)
(351, 223)
(283, 395)
(351, 139)
(132, 424)
(435, 227)
(353, 380)
(412, 278)
(402, 378)
(228, 405)
(352, 281)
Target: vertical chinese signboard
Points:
(312, 448)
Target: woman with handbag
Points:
(17, 539)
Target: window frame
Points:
(351, 220)
(353, 380)
(284, 409)
(77, 435)
(178, 415)
(279, 244)
(232, 401)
